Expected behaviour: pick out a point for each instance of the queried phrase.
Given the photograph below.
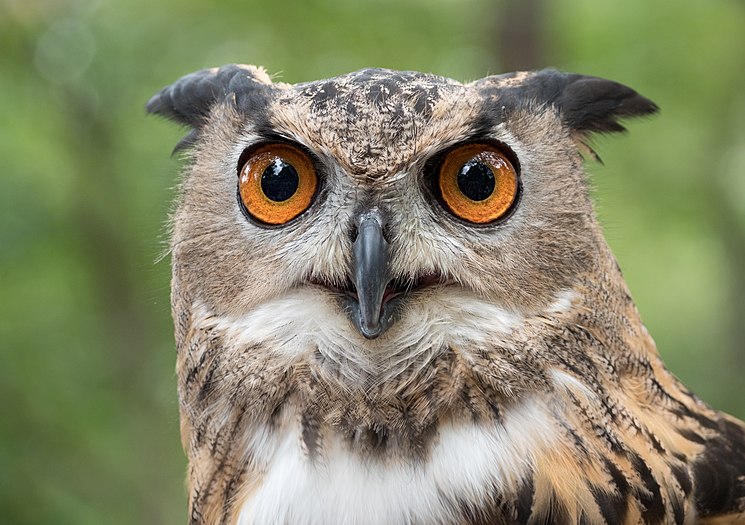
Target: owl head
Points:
(379, 216)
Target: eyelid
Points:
(276, 138)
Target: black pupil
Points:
(279, 181)
(476, 180)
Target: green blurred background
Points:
(89, 422)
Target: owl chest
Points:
(465, 466)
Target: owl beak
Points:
(370, 266)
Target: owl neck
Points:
(241, 400)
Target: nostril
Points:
(365, 220)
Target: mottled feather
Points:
(520, 388)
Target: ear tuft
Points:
(595, 105)
(189, 100)
(585, 104)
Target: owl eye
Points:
(277, 183)
(478, 183)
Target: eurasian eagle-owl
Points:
(394, 305)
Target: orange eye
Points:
(478, 183)
(277, 183)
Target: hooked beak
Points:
(370, 275)
(372, 297)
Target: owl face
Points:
(393, 304)
(383, 209)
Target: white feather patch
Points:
(563, 302)
(309, 318)
(467, 463)
(565, 381)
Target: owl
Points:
(394, 304)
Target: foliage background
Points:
(89, 422)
